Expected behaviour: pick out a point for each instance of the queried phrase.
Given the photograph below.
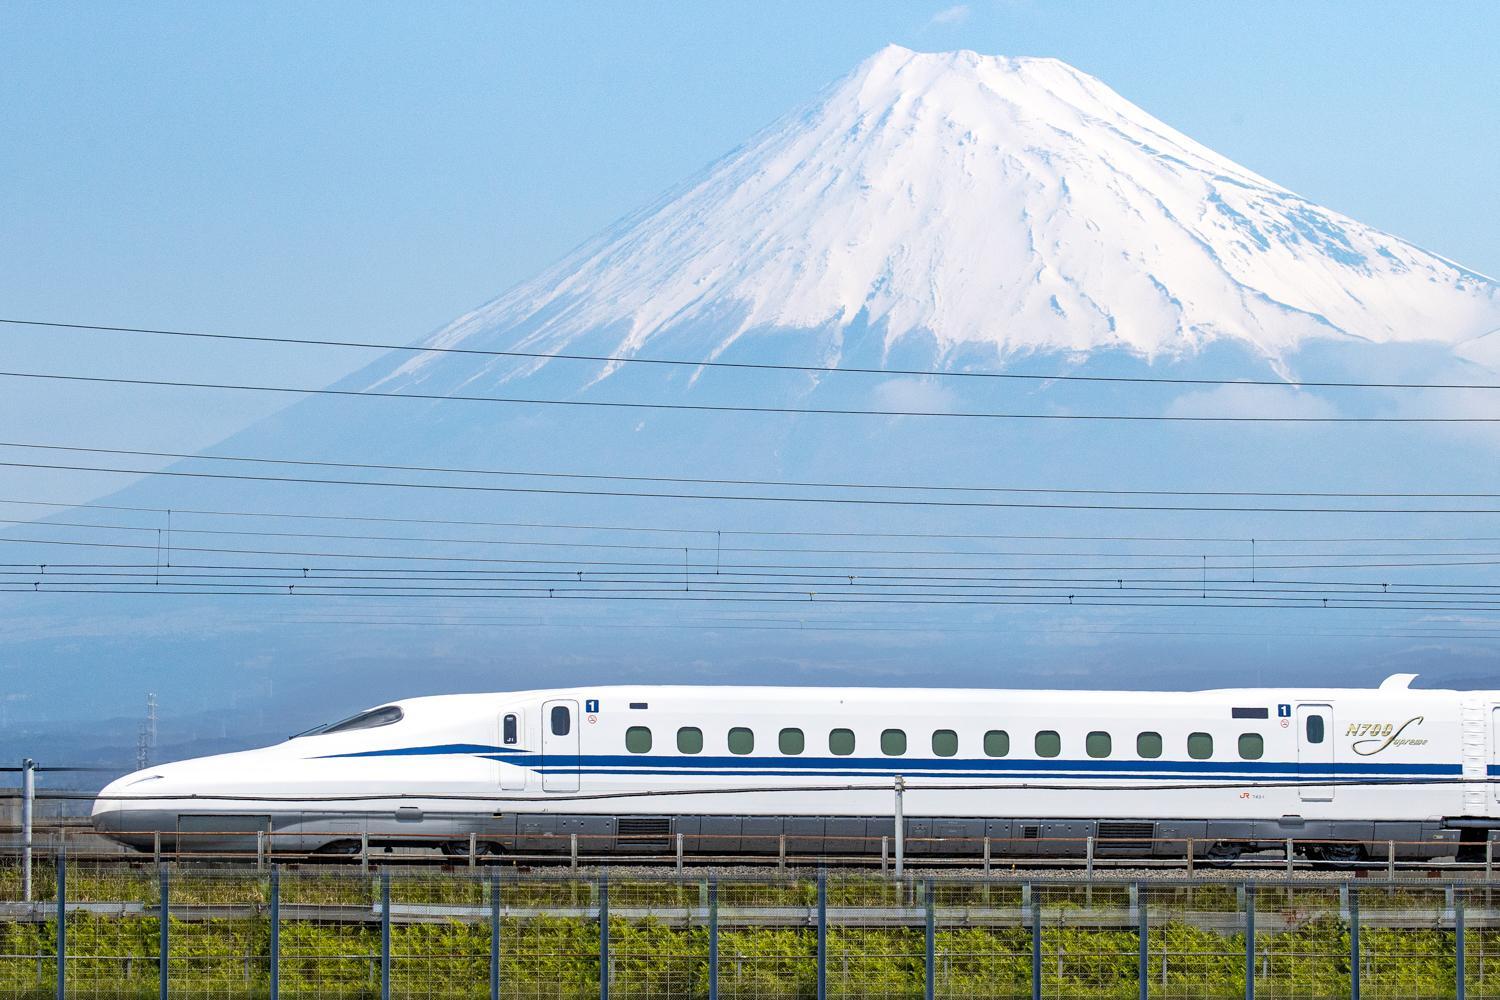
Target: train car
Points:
(754, 770)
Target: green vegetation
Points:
(112, 956)
(330, 939)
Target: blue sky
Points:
(373, 170)
(376, 169)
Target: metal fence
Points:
(186, 930)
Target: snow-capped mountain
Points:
(949, 211)
(997, 206)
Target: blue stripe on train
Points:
(948, 767)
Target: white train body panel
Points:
(454, 764)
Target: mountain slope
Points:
(996, 206)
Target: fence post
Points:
(495, 934)
(900, 826)
(1143, 959)
(28, 799)
(1036, 947)
(823, 933)
(573, 851)
(1353, 943)
(364, 851)
(603, 936)
(385, 935)
(1390, 860)
(713, 939)
(1461, 976)
(62, 924)
(165, 928)
(275, 990)
(885, 855)
(1289, 856)
(986, 857)
(679, 853)
(473, 848)
(930, 981)
(1250, 940)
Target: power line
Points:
(760, 498)
(662, 529)
(803, 599)
(727, 408)
(700, 481)
(742, 365)
(1266, 559)
(1192, 566)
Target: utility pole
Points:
(145, 744)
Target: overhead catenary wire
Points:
(740, 365)
(783, 483)
(1267, 559)
(741, 497)
(676, 566)
(744, 408)
(350, 516)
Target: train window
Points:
(1048, 743)
(562, 720)
(1252, 746)
(791, 742)
(689, 740)
(508, 731)
(997, 743)
(638, 739)
(841, 742)
(1148, 745)
(1315, 729)
(386, 716)
(1098, 744)
(945, 743)
(1200, 746)
(741, 740)
(893, 742)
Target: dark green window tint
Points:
(893, 742)
(1252, 746)
(791, 742)
(638, 739)
(841, 742)
(997, 743)
(1098, 744)
(741, 740)
(1200, 746)
(1048, 743)
(690, 740)
(1148, 745)
(945, 743)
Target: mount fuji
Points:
(995, 207)
(942, 213)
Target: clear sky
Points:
(375, 169)
(371, 171)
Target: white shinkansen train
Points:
(737, 769)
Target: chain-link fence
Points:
(316, 931)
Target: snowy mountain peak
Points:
(988, 203)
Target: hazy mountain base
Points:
(231, 671)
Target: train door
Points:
(560, 746)
(1314, 752)
(513, 771)
(1494, 765)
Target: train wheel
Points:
(1223, 854)
(460, 848)
(1341, 855)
